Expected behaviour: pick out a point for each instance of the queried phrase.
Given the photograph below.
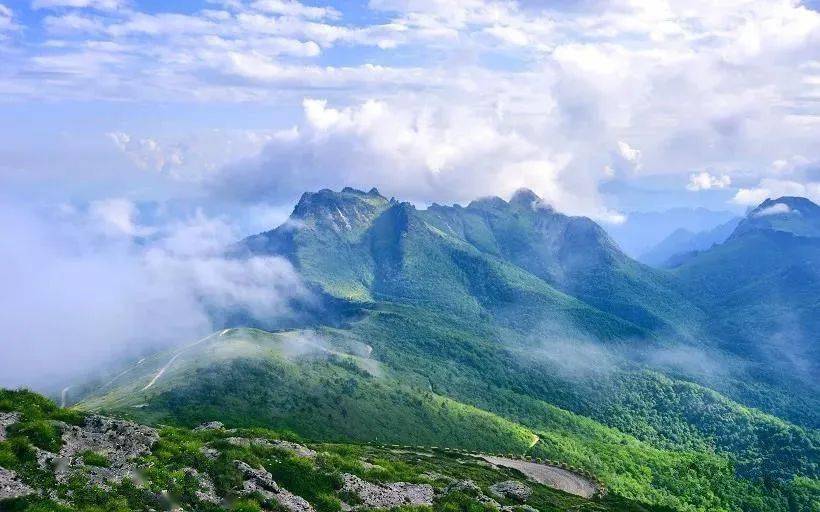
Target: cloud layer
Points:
(101, 286)
(613, 90)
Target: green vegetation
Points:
(168, 475)
(486, 326)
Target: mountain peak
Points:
(786, 205)
(488, 202)
(525, 197)
(796, 215)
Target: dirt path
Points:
(550, 476)
(64, 396)
(179, 353)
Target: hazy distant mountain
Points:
(762, 286)
(683, 241)
(502, 325)
(644, 230)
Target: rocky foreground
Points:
(55, 459)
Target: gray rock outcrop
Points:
(470, 488)
(7, 419)
(387, 496)
(261, 482)
(211, 425)
(119, 441)
(511, 489)
(11, 487)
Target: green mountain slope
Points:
(484, 326)
(110, 465)
(763, 288)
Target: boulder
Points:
(211, 425)
(11, 486)
(261, 482)
(7, 419)
(511, 489)
(387, 496)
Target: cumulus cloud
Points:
(147, 153)
(427, 155)
(103, 5)
(7, 23)
(706, 181)
(80, 291)
(776, 209)
(773, 188)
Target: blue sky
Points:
(600, 107)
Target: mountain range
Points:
(508, 326)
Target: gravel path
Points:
(550, 476)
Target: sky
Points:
(134, 134)
(601, 107)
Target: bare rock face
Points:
(261, 482)
(470, 488)
(118, 441)
(511, 489)
(295, 448)
(387, 496)
(11, 487)
(206, 491)
(211, 425)
(210, 453)
(7, 419)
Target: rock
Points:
(119, 441)
(387, 496)
(210, 453)
(11, 487)
(206, 491)
(296, 449)
(211, 425)
(518, 508)
(511, 489)
(261, 482)
(470, 488)
(7, 419)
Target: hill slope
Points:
(763, 288)
(483, 327)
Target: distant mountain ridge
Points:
(388, 248)
(679, 245)
(763, 287)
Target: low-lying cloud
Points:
(82, 287)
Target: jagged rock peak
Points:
(525, 197)
(786, 205)
(488, 202)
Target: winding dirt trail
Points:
(550, 476)
(64, 396)
(179, 353)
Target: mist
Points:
(85, 287)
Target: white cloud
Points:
(73, 301)
(433, 154)
(293, 8)
(103, 5)
(7, 23)
(147, 153)
(773, 188)
(692, 85)
(116, 216)
(776, 209)
(705, 181)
